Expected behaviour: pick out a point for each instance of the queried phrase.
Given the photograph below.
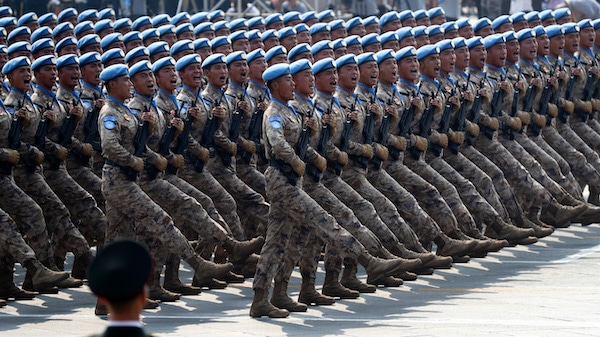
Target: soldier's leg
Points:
(87, 179)
(586, 133)
(252, 177)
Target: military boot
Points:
(407, 276)
(333, 288)
(239, 251)
(309, 295)
(158, 293)
(594, 197)
(387, 282)
(439, 262)
(378, 268)
(350, 281)
(205, 271)
(403, 252)
(281, 300)
(172, 282)
(262, 307)
(539, 231)
(42, 277)
(447, 246)
(81, 264)
(8, 289)
(564, 214)
(511, 233)
(484, 245)
(70, 282)
(592, 215)
(100, 309)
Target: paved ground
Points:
(547, 289)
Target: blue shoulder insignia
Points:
(109, 122)
(275, 122)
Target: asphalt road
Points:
(551, 288)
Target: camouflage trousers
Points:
(593, 123)
(580, 144)
(85, 213)
(63, 233)
(27, 215)
(293, 207)
(588, 135)
(11, 241)
(256, 180)
(87, 179)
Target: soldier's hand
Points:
(87, 150)
(204, 155)
(149, 117)
(177, 161)
(177, 123)
(249, 146)
(504, 86)
(10, 156)
(552, 110)
(312, 124)
(420, 143)
(76, 112)
(472, 129)
(37, 155)
(596, 104)
(353, 116)
(160, 162)
(585, 106)
(343, 158)
(391, 110)
(468, 96)
(575, 71)
(539, 120)
(442, 140)
(536, 82)
(61, 152)
(553, 81)
(436, 102)
(454, 100)
(298, 166)
(50, 117)
(417, 101)
(320, 162)
(494, 124)
(373, 108)
(569, 107)
(99, 103)
(564, 76)
(194, 112)
(400, 143)
(328, 119)
(24, 115)
(245, 107)
(381, 152)
(231, 148)
(525, 117)
(519, 85)
(594, 70)
(138, 164)
(219, 112)
(485, 93)
(457, 137)
(366, 151)
(514, 123)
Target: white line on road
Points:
(577, 256)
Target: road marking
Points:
(577, 256)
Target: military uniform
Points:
(89, 95)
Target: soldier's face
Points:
(393, 45)
(572, 42)
(391, 26)
(241, 45)
(447, 60)
(281, 58)
(69, 76)
(238, 72)
(513, 50)
(151, 40)
(284, 86)
(410, 22)
(323, 54)
(20, 78)
(182, 54)
(505, 27)
(436, 38)
(304, 37)
(144, 83)
(222, 32)
(408, 41)
(217, 75)
(374, 28)
(224, 49)
(462, 58)
(256, 44)
(305, 83)
(478, 56)
(360, 30)
(166, 78)
(271, 42)
(451, 34)
(170, 39)
(348, 76)
(90, 73)
(409, 68)
(256, 68)
(466, 32)
(320, 36)
(93, 47)
(430, 66)
(46, 76)
(438, 20)
(355, 49)
(132, 45)
(486, 31)
(70, 49)
(520, 25)
(587, 37)
(289, 42)
(276, 25)
(186, 36)
(496, 55)
(543, 43)
(120, 88)
(327, 81)
(338, 34)
(339, 52)
(204, 52)
(529, 48)
(105, 32)
(534, 23)
(423, 22)
(421, 41)
(548, 22)
(369, 73)
(209, 34)
(373, 48)
(388, 71)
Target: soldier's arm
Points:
(110, 136)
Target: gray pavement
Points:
(551, 288)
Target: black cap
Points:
(120, 271)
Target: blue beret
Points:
(201, 43)
(459, 42)
(83, 26)
(518, 17)
(106, 13)
(276, 71)
(112, 54)
(319, 27)
(493, 40)
(404, 32)
(299, 66)
(132, 36)
(461, 23)
(216, 14)
(158, 47)
(150, 33)
(42, 44)
(570, 27)
(268, 34)
(237, 56)
(198, 17)
(355, 21)
(140, 66)
(66, 13)
(371, 20)
(383, 55)
(88, 15)
(353, 40)
(166, 29)
(509, 36)
(2, 32)
(596, 23)
(178, 18)
(273, 18)
(474, 42)
(110, 73)
(525, 34)
(3, 49)
(66, 60)
(406, 52)
(213, 59)
(122, 23)
(255, 55)
(532, 16)
(141, 21)
(421, 14)
(238, 24)
(481, 23)
(239, 35)
(499, 21)
(420, 31)
(46, 60)
(254, 34)
(136, 52)
(21, 61)
(388, 17)
(449, 26)
(48, 17)
(220, 41)
(181, 45)
(585, 23)
(204, 27)
(277, 50)
(435, 29)
(42, 32)
(427, 50)
(540, 30)
(299, 49)
(339, 43)
(67, 41)
(103, 24)
(301, 27)
(90, 57)
(322, 65)
(337, 24)
(310, 15)
(88, 40)
(291, 16)
(186, 61)
(321, 45)
(352, 59)
(18, 32)
(9, 21)
(435, 12)
(388, 37)
(109, 39)
(61, 28)
(370, 39)
(163, 62)
(326, 14)
(184, 28)
(27, 18)
(406, 14)
(221, 25)
(445, 45)
(546, 14)
(6, 10)
(19, 46)
(256, 21)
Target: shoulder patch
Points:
(275, 122)
(87, 103)
(109, 122)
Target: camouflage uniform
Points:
(89, 94)
(579, 120)
(259, 94)
(12, 241)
